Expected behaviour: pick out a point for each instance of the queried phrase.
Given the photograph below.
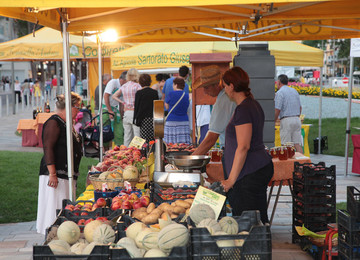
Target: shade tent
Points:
(188, 20)
(172, 20)
(46, 44)
(170, 55)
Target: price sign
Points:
(137, 142)
(213, 199)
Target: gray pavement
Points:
(16, 240)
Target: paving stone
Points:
(13, 244)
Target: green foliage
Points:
(334, 129)
(20, 181)
(314, 43)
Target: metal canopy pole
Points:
(320, 109)
(349, 115)
(69, 137)
(101, 141)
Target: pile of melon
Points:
(70, 241)
(204, 217)
(142, 241)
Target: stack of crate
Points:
(314, 197)
(349, 226)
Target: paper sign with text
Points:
(137, 142)
(213, 199)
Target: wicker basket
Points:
(111, 183)
(133, 182)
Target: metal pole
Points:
(13, 87)
(320, 110)
(348, 119)
(69, 137)
(101, 141)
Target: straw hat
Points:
(209, 75)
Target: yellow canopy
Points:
(46, 44)
(170, 55)
(192, 20)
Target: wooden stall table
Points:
(26, 127)
(39, 123)
(283, 175)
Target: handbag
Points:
(108, 134)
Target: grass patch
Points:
(20, 181)
(334, 129)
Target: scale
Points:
(189, 166)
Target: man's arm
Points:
(107, 104)
(208, 142)
(277, 112)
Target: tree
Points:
(315, 43)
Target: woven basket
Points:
(111, 184)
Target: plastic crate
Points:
(348, 252)
(327, 199)
(315, 208)
(353, 202)
(257, 245)
(105, 194)
(308, 190)
(99, 212)
(315, 180)
(313, 169)
(44, 253)
(347, 221)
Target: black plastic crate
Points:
(347, 221)
(99, 212)
(44, 253)
(350, 237)
(257, 245)
(327, 199)
(353, 202)
(309, 190)
(313, 169)
(348, 252)
(315, 180)
(315, 208)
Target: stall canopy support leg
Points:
(276, 202)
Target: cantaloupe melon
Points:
(77, 248)
(140, 236)
(90, 228)
(134, 252)
(104, 234)
(133, 230)
(211, 224)
(150, 240)
(125, 242)
(171, 236)
(200, 211)
(225, 243)
(229, 225)
(89, 248)
(59, 247)
(155, 252)
(69, 231)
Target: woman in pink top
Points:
(128, 91)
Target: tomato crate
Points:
(316, 208)
(311, 169)
(44, 253)
(347, 221)
(353, 202)
(255, 245)
(320, 199)
(309, 190)
(314, 180)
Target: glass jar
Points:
(283, 153)
(216, 155)
(274, 152)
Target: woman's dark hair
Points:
(60, 100)
(180, 83)
(159, 77)
(240, 80)
(145, 80)
(166, 76)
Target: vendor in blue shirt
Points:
(168, 86)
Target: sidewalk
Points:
(16, 240)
